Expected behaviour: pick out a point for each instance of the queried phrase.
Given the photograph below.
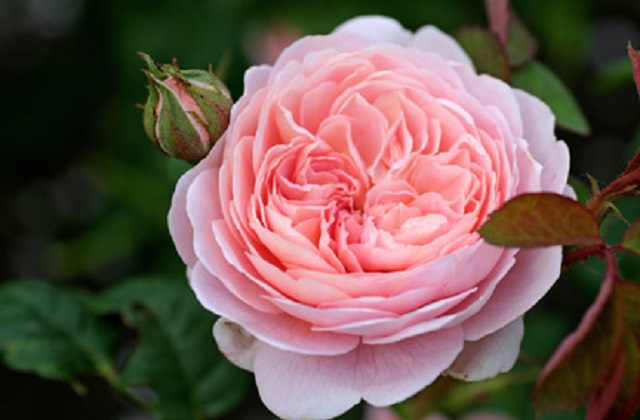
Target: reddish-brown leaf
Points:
(631, 296)
(625, 377)
(582, 364)
(541, 219)
(631, 239)
(628, 397)
(485, 50)
(602, 400)
(498, 14)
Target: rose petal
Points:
(538, 129)
(236, 343)
(279, 330)
(489, 356)
(319, 387)
(376, 29)
(457, 314)
(180, 227)
(427, 316)
(431, 39)
(533, 274)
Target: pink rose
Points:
(333, 226)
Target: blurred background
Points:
(84, 194)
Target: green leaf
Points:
(177, 357)
(614, 75)
(631, 239)
(538, 80)
(52, 332)
(583, 193)
(521, 45)
(485, 50)
(541, 219)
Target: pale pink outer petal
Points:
(432, 39)
(279, 330)
(295, 386)
(236, 343)
(533, 274)
(489, 356)
(179, 225)
(255, 78)
(377, 29)
(538, 130)
(203, 210)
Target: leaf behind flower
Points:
(485, 50)
(631, 239)
(53, 333)
(176, 357)
(538, 80)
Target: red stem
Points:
(612, 262)
(634, 164)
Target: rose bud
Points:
(187, 110)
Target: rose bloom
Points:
(334, 225)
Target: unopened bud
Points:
(187, 110)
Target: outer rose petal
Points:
(432, 39)
(236, 343)
(179, 226)
(538, 123)
(531, 277)
(489, 356)
(296, 386)
(279, 330)
(376, 29)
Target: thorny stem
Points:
(626, 184)
(634, 164)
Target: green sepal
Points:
(152, 66)
(148, 113)
(177, 135)
(215, 105)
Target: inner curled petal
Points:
(378, 168)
